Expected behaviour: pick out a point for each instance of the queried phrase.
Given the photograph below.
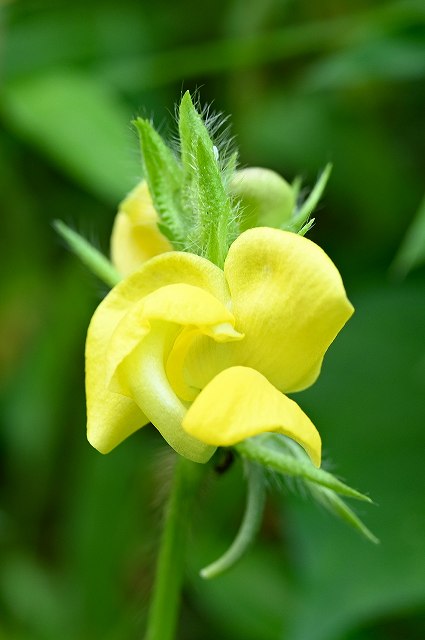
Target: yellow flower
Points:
(135, 234)
(207, 355)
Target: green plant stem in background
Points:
(165, 602)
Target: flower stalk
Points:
(166, 596)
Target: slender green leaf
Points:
(333, 503)
(300, 220)
(89, 255)
(250, 524)
(79, 124)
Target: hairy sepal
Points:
(164, 177)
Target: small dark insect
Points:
(225, 460)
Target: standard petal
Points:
(240, 403)
(111, 417)
(289, 300)
(135, 235)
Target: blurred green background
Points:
(306, 83)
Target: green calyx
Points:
(190, 193)
(282, 457)
(202, 201)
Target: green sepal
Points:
(191, 129)
(164, 177)
(296, 187)
(275, 452)
(306, 228)
(335, 505)
(204, 191)
(281, 455)
(91, 257)
(212, 207)
(250, 525)
(299, 221)
(229, 167)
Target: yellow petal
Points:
(135, 235)
(289, 300)
(150, 387)
(179, 304)
(240, 403)
(140, 345)
(111, 417)
(176, 363)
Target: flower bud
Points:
(266, 199)
(135, 234)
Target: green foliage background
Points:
(306, 83)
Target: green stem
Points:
(165, 603)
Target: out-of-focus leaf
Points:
(78, 124)
(36, 599)
(369, 405)
(45, 35)
(374, 61)
(278, 44)
(109, 526)
(34, 410)
(319, 127)
(412, 251)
